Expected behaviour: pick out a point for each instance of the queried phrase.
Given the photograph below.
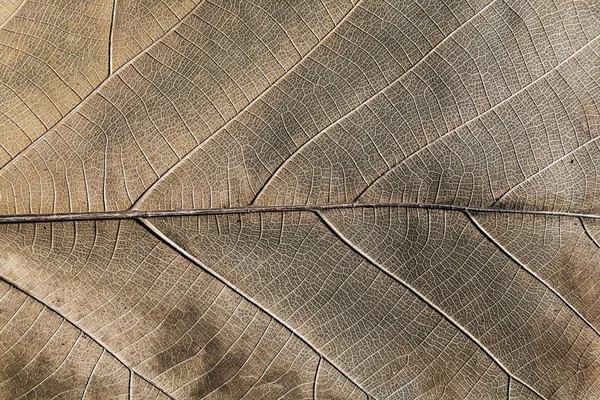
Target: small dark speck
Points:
(571, 161)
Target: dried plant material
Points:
(318, 199)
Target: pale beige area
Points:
(8, 8)
(53, 54)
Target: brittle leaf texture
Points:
(316, 199)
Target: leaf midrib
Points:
(136, 214)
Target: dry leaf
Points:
(318, 199)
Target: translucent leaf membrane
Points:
(8, 9)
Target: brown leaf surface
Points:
(318, 199)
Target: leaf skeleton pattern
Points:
(318, 199)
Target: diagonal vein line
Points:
(91, 336)
(587, 232)
(514, 259)
(479, 116)
(101, 85)
(154, 230)
(366, 102)
(546, 168)
(111, 37)
(134, 214)
(10, 17)
(130, 385)
(248, 106)
(317, 378)
(423, 298)
(53, 369)
(89, 379)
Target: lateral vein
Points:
(514, 259)
(91, 336)
(423, 298)
(231, 286)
